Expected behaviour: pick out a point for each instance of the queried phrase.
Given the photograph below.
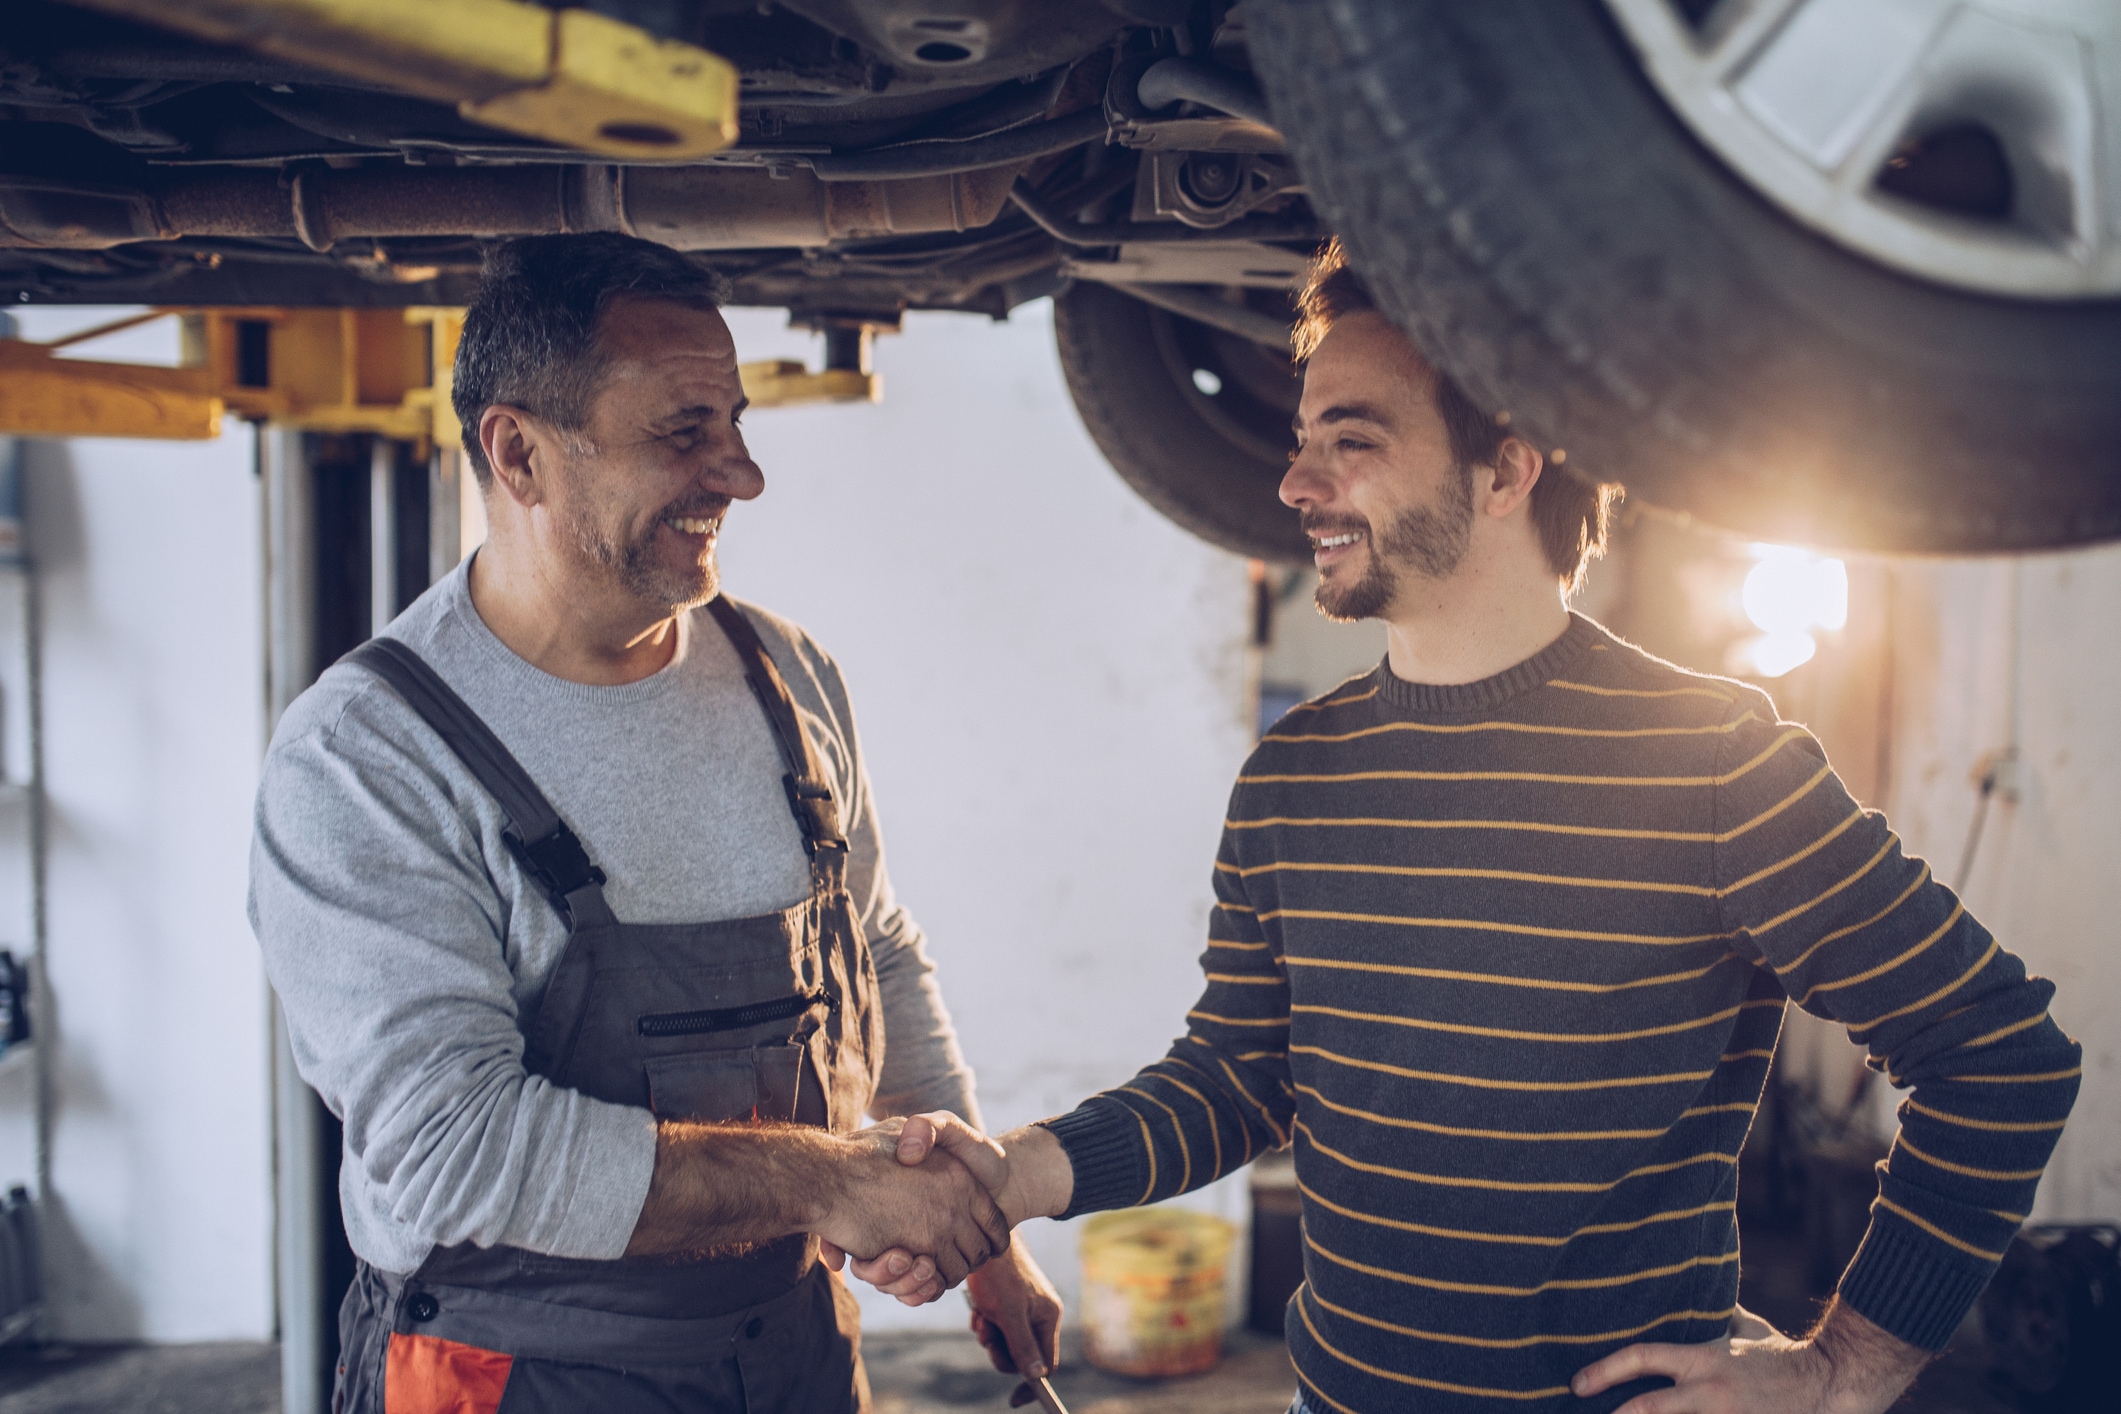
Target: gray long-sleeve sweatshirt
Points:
(405, 942)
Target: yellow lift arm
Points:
(572, 76)
(383, 371)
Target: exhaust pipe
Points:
(689, 208)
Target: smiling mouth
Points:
(694, 525)
(1334, 542)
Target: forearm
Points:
(1868, 1368)
(729, 1185)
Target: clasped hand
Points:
(1015, 1311)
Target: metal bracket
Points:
(384, 371)
(571, 76)
(1210, 189)
(847, 376)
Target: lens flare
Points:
(1789, 595)
(1773, 654)
(1794, 591)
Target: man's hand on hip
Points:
(1846, 1366)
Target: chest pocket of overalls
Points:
(779, 1078)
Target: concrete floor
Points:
(942, 1374)
(908, 1373)
(230, 1378)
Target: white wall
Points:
(154, 724)
(1050, 682)
(2047, 874)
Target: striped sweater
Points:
(1506, 963)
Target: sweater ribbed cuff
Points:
(1103, 1143)
(1910, 1285)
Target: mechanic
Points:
(572, 888)
(1504, 934)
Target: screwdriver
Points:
(1042, 1389)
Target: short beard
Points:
(634, 567)
(1431, 541)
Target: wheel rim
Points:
(1976, 143)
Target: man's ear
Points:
(1517, 469)
(516, 448)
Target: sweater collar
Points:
(1456, 699)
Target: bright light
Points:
(1790, 595)
(1772, 654)
(1792, 592)
(1205, 380)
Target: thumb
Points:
(831, 1254)
(915, 1140)
(987, 1160)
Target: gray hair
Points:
(530, 336)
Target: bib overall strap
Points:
(817, 814)
(535, 833)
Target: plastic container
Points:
(1153, 1291)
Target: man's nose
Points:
(734, 474)
(1301, 485)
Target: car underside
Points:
(1539, 192)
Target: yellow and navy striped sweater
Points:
(1506, 963)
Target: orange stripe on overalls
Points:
(426, 1375)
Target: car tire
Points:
(1523, 201)
(1210, 461)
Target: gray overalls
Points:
(769, 1018)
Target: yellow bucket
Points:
(1153, 1291)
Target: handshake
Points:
(932, 1200)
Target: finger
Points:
(834, 1256)
(1662, 1401)
(993, 1225)
(898, 1273)
(931, 1291)
(1630, 1364)
(954, 1262)
(1045, 1325)
(994, 1343)
(920, 1285)
(885, 1267)
(1025, 1350)
(987, 1159)
(916, 1140)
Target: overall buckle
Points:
(558, 862)
(817, 814)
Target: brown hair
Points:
(1571, 514)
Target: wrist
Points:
(1865, 1368)
(820, 1197)
(1041, 1176)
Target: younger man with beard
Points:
(1504, 933)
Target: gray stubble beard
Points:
(633, 568)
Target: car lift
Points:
(379, 371)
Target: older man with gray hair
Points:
(572, 887)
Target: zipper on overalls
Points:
(698, 1023)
